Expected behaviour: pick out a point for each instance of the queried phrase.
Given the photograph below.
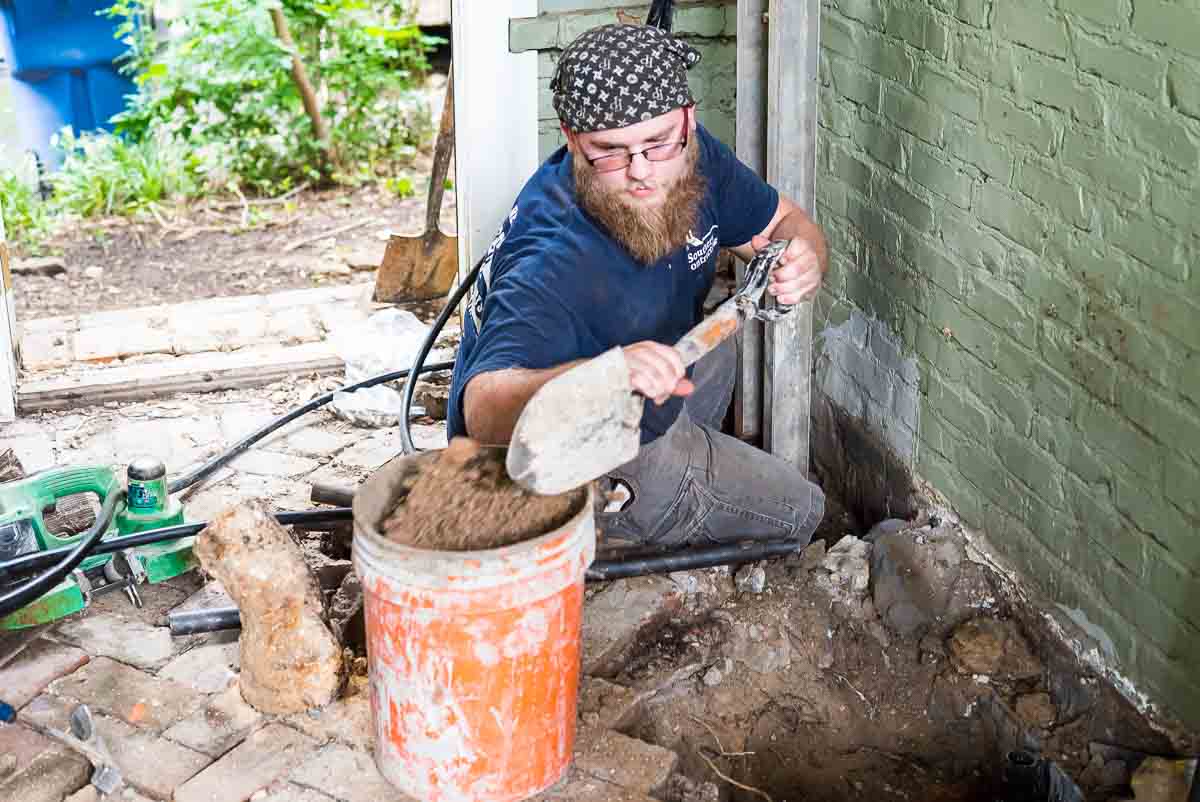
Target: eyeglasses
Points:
(655, 153)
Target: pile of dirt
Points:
(464, 501)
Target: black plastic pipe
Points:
(689, 559)
(40, 559)
(194, 622)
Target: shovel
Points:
(423, 268)
(586, 421)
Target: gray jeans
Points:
(695, 485)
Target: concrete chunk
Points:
(632, 764)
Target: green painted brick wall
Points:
(709, 26)
(1012, 187)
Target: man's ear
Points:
(570, 135)
(691, 119)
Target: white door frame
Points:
(495, 119)
(8, 334)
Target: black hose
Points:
(688, 559)
(40, 559)
(19, 597)
(321, 400)
(410, 386)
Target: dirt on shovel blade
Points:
(465, 501)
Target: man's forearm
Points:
(492, 402)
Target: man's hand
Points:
(656, 371)
(798, 275)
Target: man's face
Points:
(643, 183)
(649, 206)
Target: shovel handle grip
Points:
(710, 332)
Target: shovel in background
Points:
(586, 421)
(422, 268)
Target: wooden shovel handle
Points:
(441, 158)
(710, 332)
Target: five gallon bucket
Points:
(473, 656)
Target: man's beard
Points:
(648, 233)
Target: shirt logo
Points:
(701, 249)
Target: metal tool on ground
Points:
(23, 531)
(586, 421)
(422, 268)
(84, 739)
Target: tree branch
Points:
(300, 75)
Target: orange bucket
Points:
(473, 656)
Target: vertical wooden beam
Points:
(793, 35)
(751, 136)
(495, 119)
(8, 334)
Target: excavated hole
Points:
(803, 693)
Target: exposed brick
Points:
(265, 756)
(132, 641)
(48, 777)
(627, 762)
(1063, 195)
(967, 142)
(1000, 305)
(882, 142)
(855, 83)
(613, 619)
(973, 12)
(1183, 86)
(1106, 12)
(976, 56)
(1154, 129)
(346, 774)
(1174, 423)
(913, 115)
(1180, 206)
(1001, 116)
(1170, 23)
(1182, 479)
(1114, 435)
(1120, 65)
(904, 202)
(39, 664)
(1051, 83)
(1157, 245)
(1036, 469)
(1031, 25)
(1087, 154)
(1171, 313)
(131, 695)
(218, 726)
(868, 12)
(1005, 213)
(949, 91)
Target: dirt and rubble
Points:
(462, 499)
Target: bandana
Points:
(618, 75)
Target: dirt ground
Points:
(205, 251)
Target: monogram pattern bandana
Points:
(617, 75)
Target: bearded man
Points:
(613, 242)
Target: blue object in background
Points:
(61, 54)
(7, 714)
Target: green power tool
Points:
(147, 505)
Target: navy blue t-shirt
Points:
(556, 287)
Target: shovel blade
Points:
(579, 426)
(417, 268)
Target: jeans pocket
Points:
(685, 516)
(725, 521)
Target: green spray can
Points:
(148, 505)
